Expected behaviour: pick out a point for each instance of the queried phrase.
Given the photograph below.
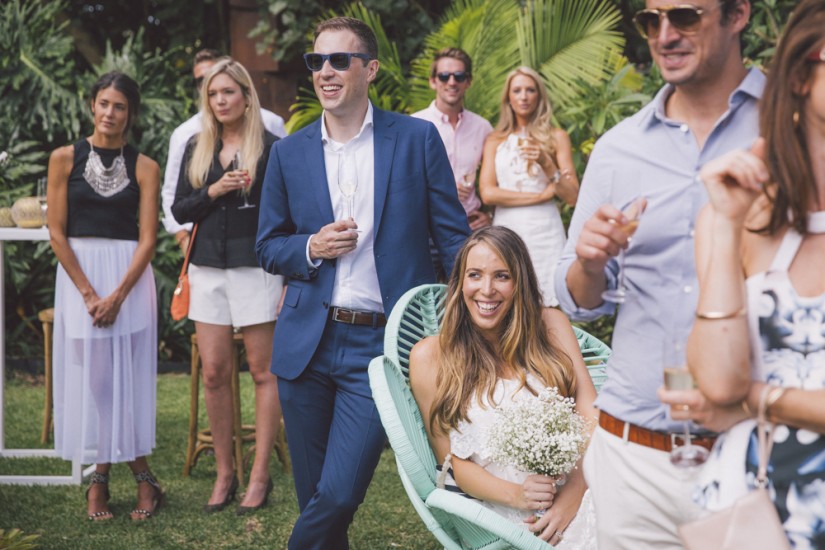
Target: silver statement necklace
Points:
(106, 181)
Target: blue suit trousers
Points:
(334, 432)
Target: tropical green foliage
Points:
(569, 43)
(768, 18)
(284, 26)
(38, 81)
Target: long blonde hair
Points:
(540, 126)
(252, 145)
(468, 364)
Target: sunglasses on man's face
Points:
(340, 61)
(198, 82)
(460, 76)
(685, 18)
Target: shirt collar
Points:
(326, 140)
(443, 117)
(750, 87)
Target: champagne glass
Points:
(678, 377)
(469, 179)
(238, 166)
(347, 184)
(633, 213)
(524, 140)
(41, 196)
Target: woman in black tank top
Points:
(103, 215)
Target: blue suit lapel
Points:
(317, 172)
(384, 141)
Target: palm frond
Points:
(570, 42)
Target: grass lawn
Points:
(58, 514)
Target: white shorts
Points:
(239, 296)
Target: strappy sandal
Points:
(157, 499)
(102, 479)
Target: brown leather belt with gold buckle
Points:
(351, 317)
(660, 441)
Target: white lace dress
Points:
(788, 349)
(539, 225)
(469, 442)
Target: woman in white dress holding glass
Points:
(526, 168)
(220, 190)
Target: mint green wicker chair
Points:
(457, 522)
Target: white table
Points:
(19, 234)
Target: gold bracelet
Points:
(719, 315)
(774, 395)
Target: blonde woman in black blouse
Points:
(220, 190)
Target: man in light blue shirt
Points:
(708, 107)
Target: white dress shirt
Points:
(356, 278)
(177, 147)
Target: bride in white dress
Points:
(497, 345)
(527, 168)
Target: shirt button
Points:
(687, 289)
(684, 128)
(692, 233)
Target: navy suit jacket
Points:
(415, 197)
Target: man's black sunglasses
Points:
(339, 60)
(460, 76)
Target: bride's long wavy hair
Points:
(468, 364)
(540, 126)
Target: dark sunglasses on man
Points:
(685, 18)
(340, 61)
(460, 76)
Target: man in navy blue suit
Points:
(348, 204)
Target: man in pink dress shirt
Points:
(462, 131)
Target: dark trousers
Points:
(334, 432)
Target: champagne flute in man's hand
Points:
(633, 213)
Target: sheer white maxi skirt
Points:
(104, 378)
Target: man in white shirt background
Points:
(203, 61)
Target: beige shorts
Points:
(239, 296)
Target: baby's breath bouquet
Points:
(545, 436)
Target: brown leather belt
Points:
(351, 317)
(660, 441)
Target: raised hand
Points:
(735, 180)
(601, 238)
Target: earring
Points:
(795, 118)
(246, 110)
